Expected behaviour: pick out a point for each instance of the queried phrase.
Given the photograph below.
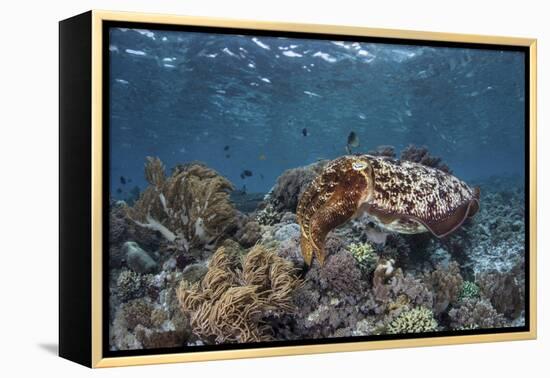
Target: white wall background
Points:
(28, 185)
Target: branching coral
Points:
(469, 291)
(192, 204)
(230, 304)
(417, 320)
(365, 255)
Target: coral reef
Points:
(140, 324)
(446, 284)
(137, 259)
(192, 204)
(473, 313)
(505, 291)
(365, 255)
(229, 305)
(417, 320)
(422, 155)
(292, 183)
(268, 215)
(249, 234)
(469, 291)
(130, 285)
(341, 273)
(387, 151)
(168, 288)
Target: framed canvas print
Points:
(234, 188)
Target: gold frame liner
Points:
(97, 152)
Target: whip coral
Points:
(230, 302)
(192, 204)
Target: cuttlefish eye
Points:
(359, 165)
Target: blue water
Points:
(241, 103)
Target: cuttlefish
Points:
(396, 195)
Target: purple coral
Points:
(341, 274)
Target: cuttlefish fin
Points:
(454, 220)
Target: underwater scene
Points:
(285, 189)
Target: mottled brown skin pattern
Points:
(400, 196)
(329, 201)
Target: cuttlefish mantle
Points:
(398, 196)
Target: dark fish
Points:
(119, 191)
(226, 148)
(122, 180)
(261, 176)
(227, 156)
(242, 176)
(304, 132)
(247, 173)
(353, 141)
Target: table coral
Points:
(192, 204)
(229, 304)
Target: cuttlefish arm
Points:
(330, 201)
(335, 212)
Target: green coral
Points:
(469, 291)
(417, 320)
(365, 255)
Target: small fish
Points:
(242, 176)
(122, 180)
(262, 157)
(247, 173)
(119, 191)
(304, 132)
(261, 176)
(226, 148)
(227, 156)
(353, 141)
